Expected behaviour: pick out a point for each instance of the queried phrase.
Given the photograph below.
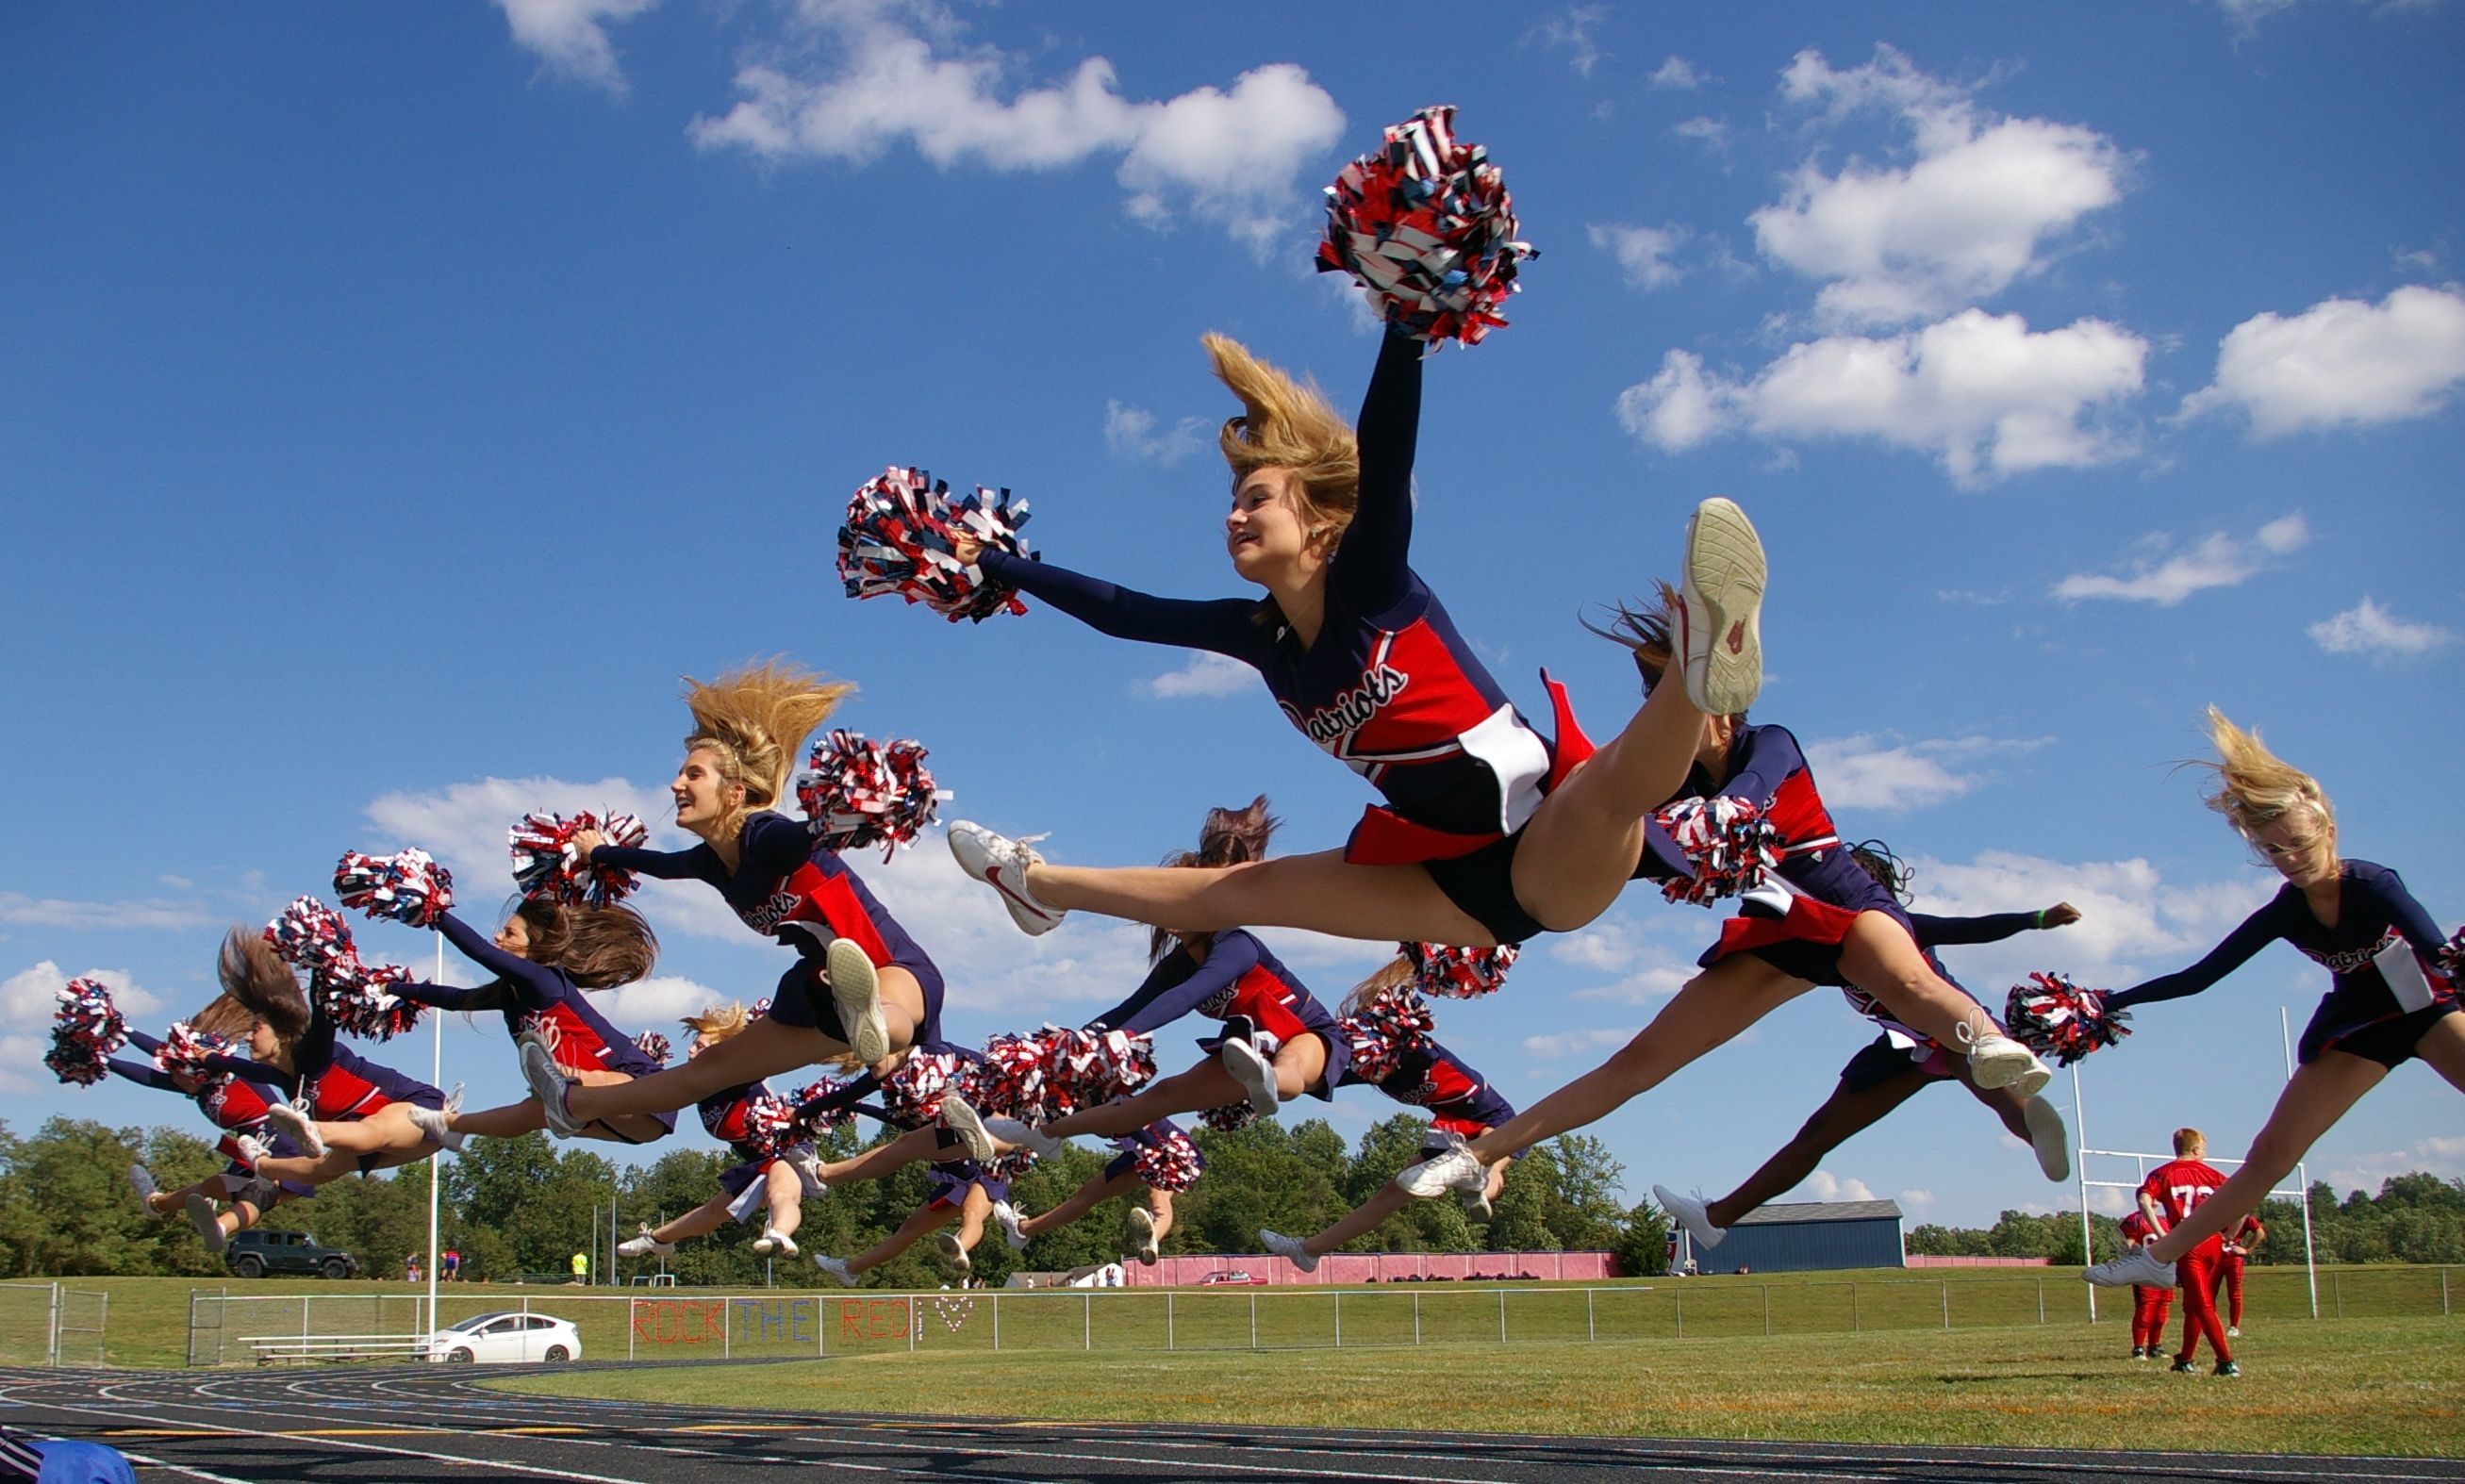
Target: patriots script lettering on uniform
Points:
(1352, 710)
(765, 916)
(2349, 959)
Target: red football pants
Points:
(2196, 1272)
(2149, 1308)
(2230, 1279)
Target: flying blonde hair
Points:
(2256, 787)
(1287, 425)
(755, 720)
(717, 1022)
(1398, 972)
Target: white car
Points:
(506, 1338)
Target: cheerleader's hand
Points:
(585, 841)
(2061, 913)
(965, 547)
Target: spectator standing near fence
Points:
(580, 1269)
(449, 1266)
(2172, 1192)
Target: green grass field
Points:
(2361, 1385)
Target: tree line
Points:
(2414, 1218)
(518, 1207)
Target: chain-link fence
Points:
(232, 1329)
(47, 1324)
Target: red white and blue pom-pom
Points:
(312, 936)
(815, 1117)
(1728, 842)
(912, 1096)
(1385, 1030)
(858, 792)
(771, 1127)
(2053, 1017)
(2450, 961)
(1426, 225)
(1230, 1117)
(1453, 973)
(654, 1044)
(898, 535)
(185, 1048)
(407, 886)
(1010, 1167)
(86, 1028)
(546, 863)
(1053, 1072)
(1171, 1164)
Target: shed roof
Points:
(1820, 1210)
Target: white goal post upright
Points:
(2299, 1192)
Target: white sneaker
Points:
(2136, 1266)
(1456, 1169)
(838, 1269)
(208, 1223)
(1721, 597)
(2048, 1137)
(957, 1256)
(1475, 1205)
(1012, 1131)
(773, 1240)
(1254, 1072)
(1996, 1060)
(645, 1245)
(1143, 1236)
(295, 1121)
(857, 992)
(1001, 863)
(432, 1122)
(548, 1084)
(142, 1181)
(1690, 1212)
(1291, 1249)
(808, 1165)
(960, 1116)
(252, 1150)
(2233, 1332)
(1007, 1215)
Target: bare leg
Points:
(1086, 1198)
(903, 1002)
(325, 1169)
(386, 1131)
(2006, 1105)
(921, 1223)
(1880, 957)
(1160, 1207)
(2319, 1094)
(973, 1211)
(1390, 1199)
(1207, 1085)
(883, 1161)
(1843, 1115)
(762, 1048)
(1318, 892)
(784, 1191)
(639, 1128)
(509, 1121)
(1714, 1006)
(707, 1217)
(1583, 842)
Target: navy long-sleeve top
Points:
(229, 1101)
(2379, 956)
(802, 894)
(339, 1082)
(1459, 1097)
(537, 998)
(1237, 976)
(1767, 767)
(1389, 687)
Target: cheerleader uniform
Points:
(1244, 987)
(746, 1119)
(1460, 1101)
(231, 1103)
(802, 895)
(2384, 991)
(337, 1084)
(1164, 1155)
(1390, 688)
(538, 1000)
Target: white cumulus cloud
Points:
(1675, 74)
(1130, 431)
(1986, 395)
(1825, 1186)
(2368, 628)
(867, 82)
(1206, 674)
(1975, 209)
(1862, 772)
(2165, 576)
(1643, 252)
(1574, 1043)
(2341, 363)
(1572, 29)
(29, 997)
(2133, 922)
(571, 36)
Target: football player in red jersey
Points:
(2168, 1197)
(2244, 1240)
(2149, 1304)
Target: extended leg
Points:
(1207, 1085)
(1318, 892)
(883, 1161)
(762, 1048)
(1086, 1198)
(1845, 1113)
(2319, 1094)
(921, 1223)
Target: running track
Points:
(397, 1423)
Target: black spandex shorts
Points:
(2389, 1042)
(1482, 884)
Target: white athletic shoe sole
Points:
(1290, 1249)
(836, 1269)
(547, 1083)
(957, 1255)
(302, 1128)
(960, 1118)
(1143, 1236)
(252, 1151)
(1996, 1060)
(1721, 602)
(432, 1122)
(1456, 1169)
(1690, 1213)
(1007, 1215)
(2134, 1267)
(209, 1224)
(142, 1181)
(2048, 1136)
(1011, 1131)
(856, 990)
(1256, 1075)
(1001, 863)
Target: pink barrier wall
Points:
(1353, 1270)
(1916, 1261)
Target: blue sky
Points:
(395, 402)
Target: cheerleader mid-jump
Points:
(775, 1168)
(861, 985)
(1158, 1161)
(1490, 833)
(2390, 998)
(225, 1203)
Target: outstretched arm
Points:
(143, 1074)
(537, 984)
(1222, 625)
(2257, 932)
(1158, 1003)
(1934, 932)
(1371, 566)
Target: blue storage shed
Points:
(1806, 1236)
